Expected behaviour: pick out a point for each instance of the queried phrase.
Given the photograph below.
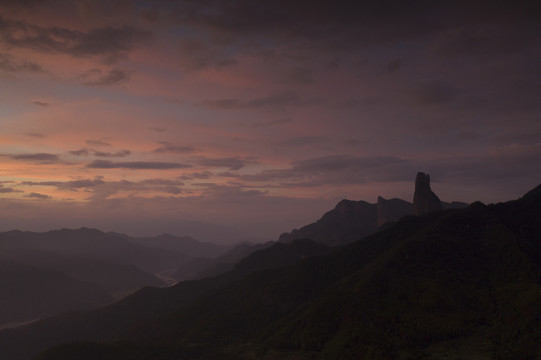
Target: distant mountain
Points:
(182, 244)
(71, 263)
(28, 293)
(191, 269)
(92, 244)
(449, 284)
(200, 268)
(351, 220)
(118, 279)
(56, 270)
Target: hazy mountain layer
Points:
(92, 244)
(28, 293)
(117, 279)
(181, 244)
(199, 268)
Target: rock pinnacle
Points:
(424, 199)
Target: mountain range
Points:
(457, 283)
(351, 220)
(83, 269)
(348, 222)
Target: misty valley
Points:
(391, 280)
(44, 274)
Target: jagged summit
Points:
(351, 220)
(424, 199)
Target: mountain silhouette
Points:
(351, 220)
(459, 283)
(347, 222)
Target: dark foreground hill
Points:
(451, 284)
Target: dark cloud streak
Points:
(80, 152)
(136, 165)
(11, 65)
(41, 157)
(288, 98)
(97, 143)
(34, 195)
(233, 163)
(4, 190)
(171, 148)
(87, 152)
(113, 77)
(41, 103)
(121, 153)
(347, 169)
(337, 169)
(36, 135)
(108, 42)
(326, 18)
(70, 185)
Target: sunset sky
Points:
(242, 118)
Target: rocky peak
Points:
(424, 199)
(349, 221)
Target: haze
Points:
(227, 120)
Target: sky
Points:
(245, 119)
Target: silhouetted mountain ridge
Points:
(351, 220)
(447, 284)
(347, 222)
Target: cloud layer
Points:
(142, 115)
